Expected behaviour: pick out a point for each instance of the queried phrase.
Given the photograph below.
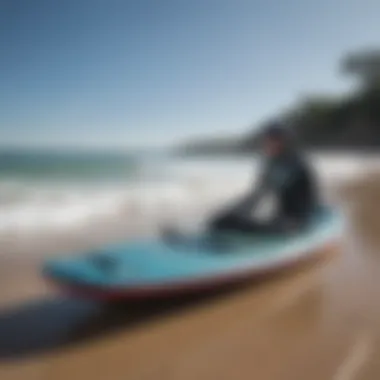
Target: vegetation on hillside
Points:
(350, 121)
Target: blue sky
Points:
(126, 73)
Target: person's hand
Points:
(292, 227)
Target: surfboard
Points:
(154, 268)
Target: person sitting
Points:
(288, 176)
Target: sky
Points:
(151, 72)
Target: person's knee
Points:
(223, 221)
(219, 223)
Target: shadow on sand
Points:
(48, 324)
(52, 323)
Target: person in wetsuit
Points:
(286, 175)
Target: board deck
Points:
(154, 268)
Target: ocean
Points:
(40, 191)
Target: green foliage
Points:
(364, 65)
(352, 121)
(348, 122)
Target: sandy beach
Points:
(127, 121)
(318, 322)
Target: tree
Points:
(365, 65)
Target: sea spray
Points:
(177, 191)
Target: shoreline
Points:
(344, 150)
(186, 188)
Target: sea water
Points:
(40, 191)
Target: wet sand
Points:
(321, 321)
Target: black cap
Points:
(276, 130)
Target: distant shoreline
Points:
(244, 153)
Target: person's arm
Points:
(250, 201)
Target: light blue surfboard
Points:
(153, 267)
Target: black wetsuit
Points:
(290, 179)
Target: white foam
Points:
(189, 189)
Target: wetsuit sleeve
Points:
(257, 192)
